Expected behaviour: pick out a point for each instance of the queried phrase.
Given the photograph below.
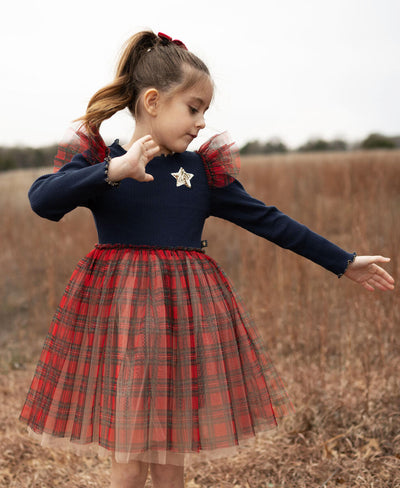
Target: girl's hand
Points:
(367, 273)
(133, 163)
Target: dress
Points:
(151, 354)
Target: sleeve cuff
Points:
(107, 179)
(349, 261)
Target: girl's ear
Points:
(151, 101)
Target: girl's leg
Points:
(129, 475)
(167, 476)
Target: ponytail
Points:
(119, 94)
(146, 61)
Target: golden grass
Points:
(336, 345)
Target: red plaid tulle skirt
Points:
(152, 356)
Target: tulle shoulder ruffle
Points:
(77, 140)
(221, 160)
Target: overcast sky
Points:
(293, 69)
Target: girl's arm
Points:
(233, 203)
(78, 182)
(75, 184)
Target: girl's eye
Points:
(193, 110)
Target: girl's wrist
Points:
(115, 169)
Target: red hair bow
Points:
(168, 39)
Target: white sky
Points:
(290, 68)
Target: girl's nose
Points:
(201, 123)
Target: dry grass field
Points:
(336, 345)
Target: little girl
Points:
(151, 355)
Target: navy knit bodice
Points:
(158, 213)
(162, 214)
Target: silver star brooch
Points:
(183, 178)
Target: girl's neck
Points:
(139, 133)
(136, 135)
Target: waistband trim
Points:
(145, 247)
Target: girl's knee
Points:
(128, 475)
(167, 475)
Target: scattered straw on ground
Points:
(330, 441)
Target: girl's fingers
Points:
(147, 142)
(383, 259)
(382, 276)
(150, 147)
(152, 150)
(144, 139)
(379, 283)
(381, 279)
(368, 287)
(385, 275)
(148, 178)
(380, 259)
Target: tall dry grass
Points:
(36, 259)
(335, 344)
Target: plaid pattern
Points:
(76, 140)
(150, 350)
(221, 160)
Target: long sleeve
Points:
(75, 184)
(233, 203)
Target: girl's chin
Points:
(179, 148)
(178, 145)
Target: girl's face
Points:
(180, 117)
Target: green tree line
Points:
(26, 157)
(276, 145)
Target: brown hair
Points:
(147, 60)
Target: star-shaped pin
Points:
(183, 178)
